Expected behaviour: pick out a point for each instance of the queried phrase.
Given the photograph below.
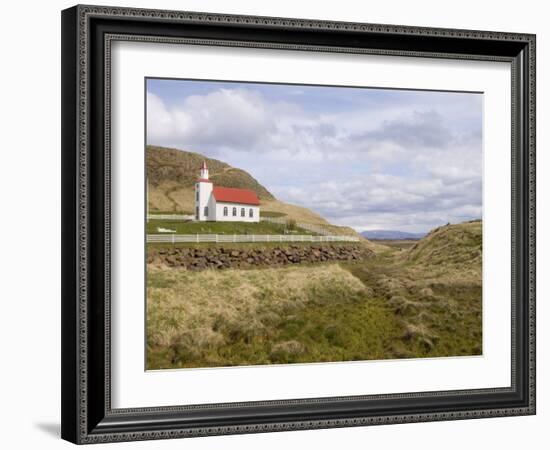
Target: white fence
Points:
(170, 217)
(174, 238)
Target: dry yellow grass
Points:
(171, 197)
(453, 252)
(298, 213)
(238, 298)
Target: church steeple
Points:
(204, 209)
(204, 171)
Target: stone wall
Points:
(220, 257)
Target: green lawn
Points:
(185, 213)
(223, 227)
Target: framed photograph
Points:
(278, 224)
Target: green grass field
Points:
(180, 227)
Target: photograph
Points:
(293, 223)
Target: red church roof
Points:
(234, 195)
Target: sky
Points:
(367, 158)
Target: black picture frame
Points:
(87, 416)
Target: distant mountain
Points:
(391, 234)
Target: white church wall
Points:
(238, 218)
(205, 190)
(212, 209)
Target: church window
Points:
(242, 212)
(197, 195)
(234, 212)
(206, 211)
(225, 210)
(197, 213)
(250, 213)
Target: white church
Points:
(223, 204)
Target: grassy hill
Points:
(261, 316)
(452, 248)
(421, 302)
(172, 173)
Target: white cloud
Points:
(392, 201)
(226, 118)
